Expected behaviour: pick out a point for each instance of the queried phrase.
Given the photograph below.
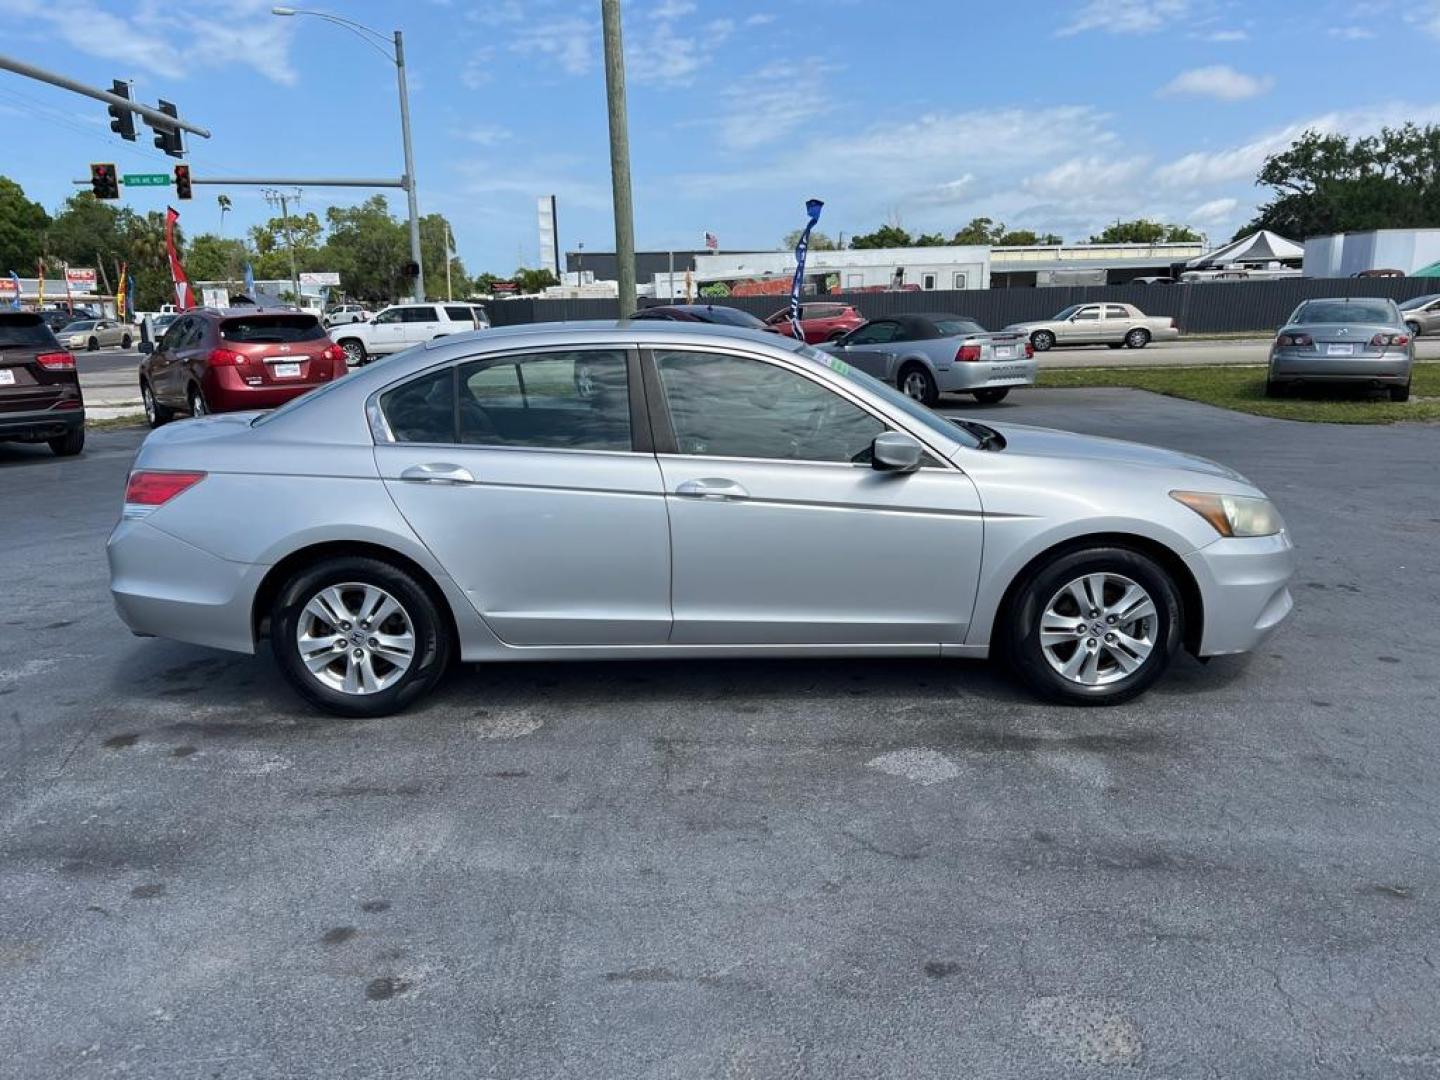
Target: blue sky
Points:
(1047, 114)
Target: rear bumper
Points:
(164, 587)
(227, 391)
(1244, 585)
(40, 425)
(960, 377)
(1383, 368)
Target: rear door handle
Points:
(717, 489)
(438, 472)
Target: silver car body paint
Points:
(1342, 352)
(575, 553)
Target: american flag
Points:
(712, 242)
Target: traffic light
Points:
(104, 182)
(182, 181)
(167, 138)
(411, 269)
(123, 120)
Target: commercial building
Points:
(1348, 254)
(1085, 264)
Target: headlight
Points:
(1233, 515)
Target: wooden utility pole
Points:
(619, 156)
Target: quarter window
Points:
(561, 401)
(1115, 311)
(733, 406)
(423, 409)
(461, 314)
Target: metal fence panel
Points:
(1208, 308)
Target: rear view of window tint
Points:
(460, 314)
(423, 410)
(269, 329)
(25, 331)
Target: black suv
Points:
(39, 389)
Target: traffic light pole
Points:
(154, 117)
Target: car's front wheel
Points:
(1414, 328)
(359, 637)
(125, 342)
(354, 352)
(1096, 626)
(917, 383)
(93, 345)
(155, 413)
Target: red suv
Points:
(819, 322)
(213, 361)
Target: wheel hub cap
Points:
(355, 638)
(1099, 629)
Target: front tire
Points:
(69, 444)
(125, 342)
(359, 637)
(1096, 626)
(354, 352)
(155, 413)
(992, 396)
(1043, 340)
(917, 383)
(93, 345)
(1137, 338)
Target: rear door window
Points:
(1115, 311)
(423, 409)
(576, 400)
(418, 314)
(25, 331)
(875, 333)
(460, 314)
(270, 329)
(1088, 314)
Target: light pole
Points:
(619, 156)
(397, 57)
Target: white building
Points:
(1347, 254)
(964, 267)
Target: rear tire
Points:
(1147, 641)
(155, 413)
(354, 352)
(198, 405)
(992, 396)
(419, 618)
(1274, 389)
(125, 342)
(1043, 340)
(1400, 393)
(918, 384)
(93, 345)
(1137, 338)
(69, 444)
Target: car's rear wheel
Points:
(1400, 393)
(1137, 338)
(917, 383)
(1043, 340)
(992, 395)
(198, 405)
(1274, 389)
(69, 444)
(1096, 626)
(93, 345)
(155, 413)
(125, 342)
(359, 637)
(354, 352)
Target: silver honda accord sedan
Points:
(651, 489)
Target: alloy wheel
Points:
(354, 353)
(915, 385)
(355, 638)
(1099, 629)
(149, 401)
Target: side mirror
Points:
(894, 451)
(147, 347)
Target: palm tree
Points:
(224, 201)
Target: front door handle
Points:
(438, 472)
(720, 490)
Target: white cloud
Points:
(1125, 16)
(1427, 17)
(773, 103)
(673, 9)
(477, 70)
(947, 193)
(1228, 35)
(568, 41)
(485, 134)
(760, 19)
(1215, 210)
(1351, 33)
(1221, 82)
(660, 52)
(1083, 178)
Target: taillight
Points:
(148, 489)
(1381, 340)
(56, 361)
(1286, 341)
(1029, 351)
(226, 358)
(333, 353)
(968, 353)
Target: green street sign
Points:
(146, 179)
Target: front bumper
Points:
(976, 375)
(1306, 366)
(40, 425)
(1244, 586)
(165, 587)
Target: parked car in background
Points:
(925, 356)
(231, 359)
(418, 513)
(40, 398)
(1155, 280)
(1422, 314)
(703, 313)
(345, 313)
(399, 326)
(819, 322)
(1354, 341)
(1116, 325)
(92, 334)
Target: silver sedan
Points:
(1355, 341)
(702, 492)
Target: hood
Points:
(1047, 442)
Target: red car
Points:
(212, 361)
(820, 322)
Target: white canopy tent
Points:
(1259, 247)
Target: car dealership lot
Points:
(779, 869)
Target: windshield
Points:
(912, 409)
(77, 327)
(1419, 302)
(1344, 311)
(1067, 312)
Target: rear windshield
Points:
(733, 317)
(1344, 311)
(25, 331)
(956, 327)
(267, 329)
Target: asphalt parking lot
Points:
(738, 869)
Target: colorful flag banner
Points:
(40, 284)
(802, 247)
(712, 242)
(130, 298)
(249, 281)
(184, 297)
(122, 296)
(16, 279)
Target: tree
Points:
(86, 229)
(22, 227)
(482, 282)
(818, 241)
(1144, 231)
(533, 281)
(433, 247)
(1332, 183)
(215, 258)
(1027, 238)
(887, 236)
(145, 251)
(981, 230)
(933, 239)
(368, 248)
